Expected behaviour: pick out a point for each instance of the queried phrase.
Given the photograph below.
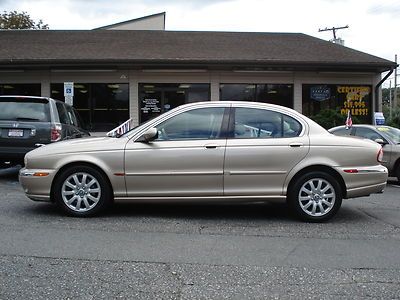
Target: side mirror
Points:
(380, 141)
(150, 135)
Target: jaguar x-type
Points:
(208, 152)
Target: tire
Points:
(315, 197)
(82, 191)
(398, 173)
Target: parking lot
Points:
(153, 251)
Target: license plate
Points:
(16, 132)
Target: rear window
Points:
(24, 109)
(341, 131)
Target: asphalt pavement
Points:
(161, 251)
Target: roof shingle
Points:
(143, 47)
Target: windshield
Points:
(24, 109)
(390, 133)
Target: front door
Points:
(185, 160)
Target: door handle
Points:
(293, 145)
(211, 146)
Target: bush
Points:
(329, 118)
(393, 121)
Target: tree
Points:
(19, 20)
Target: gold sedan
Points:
(209, 151)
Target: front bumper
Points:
(37, 183)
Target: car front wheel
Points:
(315, 197)
(82, 191)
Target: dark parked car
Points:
(388, 136)
(28, 122)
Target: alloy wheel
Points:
(81, 192)
(317, 197)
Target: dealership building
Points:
(137, 69)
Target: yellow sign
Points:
(354, 100)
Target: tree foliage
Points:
(329, 118)
(20, 20)
(391, 118)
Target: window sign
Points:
(320, 92)
(329, 99)
(150, 105)
(355, 100)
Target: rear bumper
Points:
(13, 155)
(366, 181)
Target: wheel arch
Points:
(79, 164)
(319, 168)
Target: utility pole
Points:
(334, 29)
(390, 99)
(395, 84)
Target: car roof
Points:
(32, 97)
(23, 96)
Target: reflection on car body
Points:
(198, 152)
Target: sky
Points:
(372, 23)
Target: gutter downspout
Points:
(378, 86)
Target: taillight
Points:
(380, 155)
(55, 135)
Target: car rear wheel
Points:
(315, 197)
(82, 191)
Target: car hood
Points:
(89, 144)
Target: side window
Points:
(196, 124)
(71, 116)
(367, 133)
(291, 127)
(252, 123)
(62, 113)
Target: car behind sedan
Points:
(209, 151)
(27, 122)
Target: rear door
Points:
(263, 147)
(24, 122)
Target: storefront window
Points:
(30, 89)
(281, 94)
(103, 106)
(338, 99)
(157, 98)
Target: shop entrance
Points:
(157, 98)
(102, 106)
